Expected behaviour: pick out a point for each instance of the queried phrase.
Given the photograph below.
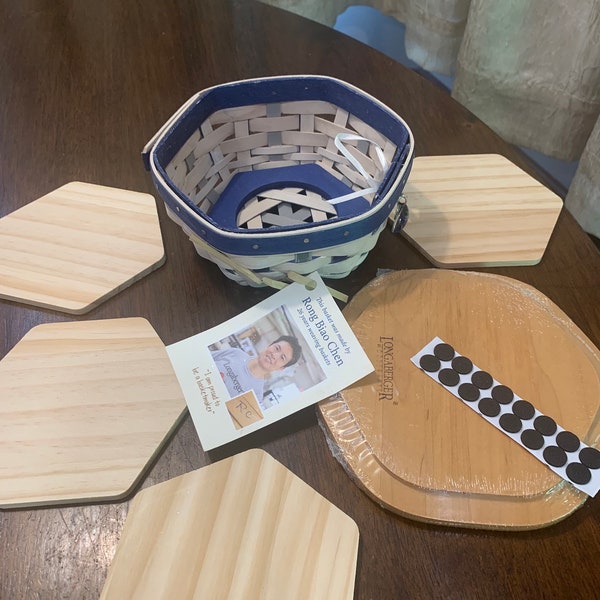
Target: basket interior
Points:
(278, 135)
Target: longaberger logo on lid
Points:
(386, 349)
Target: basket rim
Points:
(199, 218)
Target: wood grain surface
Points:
(85, 85)
(478, 210)
(78, 245)
(245, 527)
(417, 449)
(85, 407)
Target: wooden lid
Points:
(419, 450)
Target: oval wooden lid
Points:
(418, 450)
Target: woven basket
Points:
(280, 176)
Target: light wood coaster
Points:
(478, 210)
(80, 244)
(84, 408)
(242, 528)
(417, 449)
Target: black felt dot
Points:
(482, 379)
(545, 425)
(510, 423)
(429, 363)
(555, 456)
(523, 409)
(502, 394)
(444, 352)
(449, 377)
(468, 392)
(532, 439)
(568, 441)
(590, 457)
(489, 407)
(578, 473)
(462, 364)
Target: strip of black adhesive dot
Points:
(561, 450)
(502, 394)
(555, 456)
(510, 423)
(444, 352)
(449, 377)
(523, 409)
(462, 365)
(545, 425)
(468, 392)
(489, 407)
(590, 457)
(532, 439)
(568, 441)
(579, 473)
(430, 363)
(482, 379)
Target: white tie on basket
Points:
(371, 181)
(309, 283)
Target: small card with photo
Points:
(290, 351)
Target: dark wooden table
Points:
(83, 86)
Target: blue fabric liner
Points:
(246, 185)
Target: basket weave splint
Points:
(281, 176)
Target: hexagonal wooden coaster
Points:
(245, 527)
(80, 244)
(478, 210)
(84, 408)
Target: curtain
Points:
(583, 198)
(322, 11)
(530, 69)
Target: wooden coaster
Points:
(478, 210)
(419, 450)
(80, 244)
(85, 407)
(244, 527)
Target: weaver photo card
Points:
(290, 351)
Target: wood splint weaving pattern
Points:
(267, 136)
(290, 206)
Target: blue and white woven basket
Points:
(280, 176)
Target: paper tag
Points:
(290, 351)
